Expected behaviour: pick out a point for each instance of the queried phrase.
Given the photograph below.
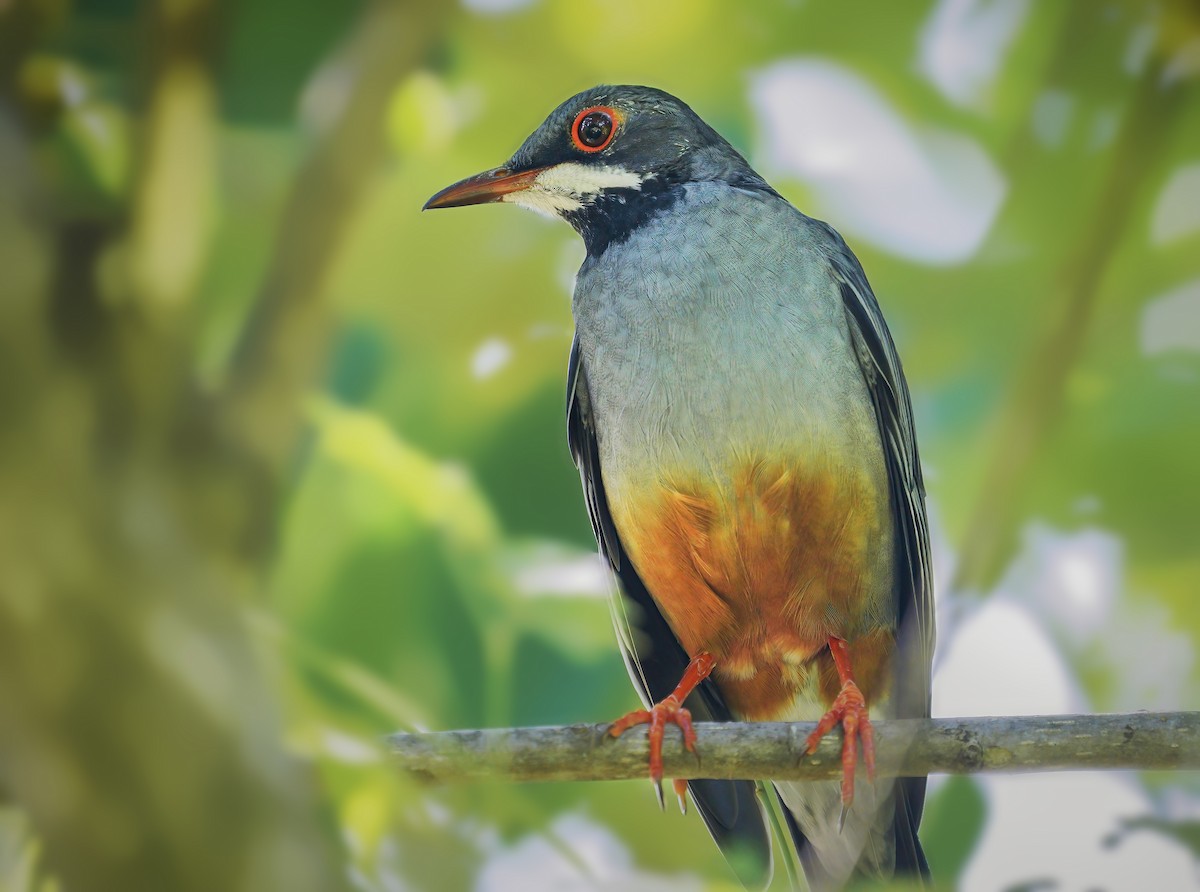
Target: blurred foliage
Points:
(278, 455)
(955, 819)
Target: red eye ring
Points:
(603, 113)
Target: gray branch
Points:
(762, 750)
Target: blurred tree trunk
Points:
(1028, 419)
(138, 725)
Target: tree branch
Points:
(774, 749)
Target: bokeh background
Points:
(282, 461)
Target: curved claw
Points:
(681, 789)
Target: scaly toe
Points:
(849, 710)
(657, 717)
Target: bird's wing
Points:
(881, 369)
(654, 657)
(884, 377)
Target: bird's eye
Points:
(594, 128)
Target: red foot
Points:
(850, 711)
(669, 709)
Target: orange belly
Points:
(761, 570)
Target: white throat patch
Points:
(570, 186)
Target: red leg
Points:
(669, 709)
(850, 711)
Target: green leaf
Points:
(952, 826)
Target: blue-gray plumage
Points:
(743, 431)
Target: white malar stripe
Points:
(586, 179)
(569, 186)
(551, 204)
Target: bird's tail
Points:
(876, 844)
(910, 857)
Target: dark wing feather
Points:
(884, 377)
(655, 659)
(893, 410)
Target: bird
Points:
(744, 435)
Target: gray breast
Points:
(717, 331)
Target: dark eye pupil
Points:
(595, 128)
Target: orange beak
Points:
(491, 185)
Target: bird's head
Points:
(606, 160)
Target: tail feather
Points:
(733, 815)
(885, 849)
(910, 857)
